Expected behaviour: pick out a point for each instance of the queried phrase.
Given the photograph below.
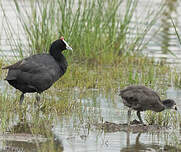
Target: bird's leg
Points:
(129, 116)
(137, 139)
(37, 99)
(139, 116)
(21, 99)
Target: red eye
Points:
(62, 38)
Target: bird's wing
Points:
(131, 96)
(152, 101)
(32, 67)
(140, 97)
(31, 64)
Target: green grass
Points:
(177, 78)
(96, 30)
(166, 118)
(116, 74)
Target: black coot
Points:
(38, 72)
(141, 98)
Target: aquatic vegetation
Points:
(1, 63)
(95, 29)
(177, 32)
(166, 118)
(138, 70)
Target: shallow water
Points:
(90, 139)
(76, 132)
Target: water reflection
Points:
(138, 146)
(58, 145)
(16, 146)
(27, 132)
(21, 146)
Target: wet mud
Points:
(134, 127)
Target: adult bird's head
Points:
(67, 47)
(60, 45)
(169, 104)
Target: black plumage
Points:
(141, 98)
(38, 72)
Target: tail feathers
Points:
(7, 67)
(4, 67)
(10, 78)
(13, 66)
(121, 92)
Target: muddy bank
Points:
(22, 137)
(134, 127)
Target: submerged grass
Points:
(165, 118)
(127, 70)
